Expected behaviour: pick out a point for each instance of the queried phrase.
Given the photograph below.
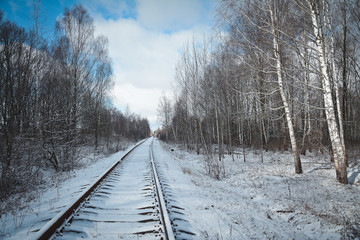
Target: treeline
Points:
(53, 99)
(276, 74)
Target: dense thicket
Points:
(53, 100)
(277, 74)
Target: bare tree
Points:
(53, 99)
(15, 59)
(164, 113)
(261, 19)
(289, 119)
(273, 79)
(319, 12)
(77, 27)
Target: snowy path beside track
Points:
(60, 190)
(262, 200)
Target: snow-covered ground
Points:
(262, 200)
(61, 189)
(253, 201)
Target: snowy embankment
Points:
(60, 190)
(263, 200)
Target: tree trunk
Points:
(337, 148)
(336, 87)
(217, 130)
(298, 168)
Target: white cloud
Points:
(169, 15)
(140, 101)
(143, 60)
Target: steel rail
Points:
(50, 227)
(164, 215)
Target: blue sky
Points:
(145, 37)
(20, 11)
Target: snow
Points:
(262, 200)
(123, 205)
(61, 190)
(253, 201)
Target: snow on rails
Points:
(125, 202)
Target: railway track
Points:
(127, 202)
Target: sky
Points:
(145, 40)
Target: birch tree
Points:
(77, 27)
(289, 119)
(164, 112)
(273, 77)
(318, 13)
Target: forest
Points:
(277, 75)
(54, 103)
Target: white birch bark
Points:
(218, 130)
(338, 151)
(336, 86)
(307, 120)
(298, 168)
